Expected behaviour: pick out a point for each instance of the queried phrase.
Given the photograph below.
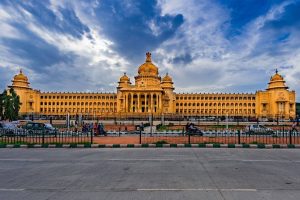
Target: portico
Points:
(148, 92)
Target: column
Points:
(157, 103)
(152, 105)
(138, 103)
(145, 103)
(126, 102)
(131, 105)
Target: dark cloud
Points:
(127, 23)
(243, 12)
(182, 59)
(65, 22)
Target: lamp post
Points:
(227, 121)
(68, 120)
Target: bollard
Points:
(43, 137)
(140, 136)
(92, 134)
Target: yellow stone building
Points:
(151, 94)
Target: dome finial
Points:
(148, 57)
(276, 71)
(21, 71)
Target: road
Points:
(160, 173)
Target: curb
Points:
(201, 145)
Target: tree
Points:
(1, 106)
(16, 104)
(9, 105)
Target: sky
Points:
(204, 45)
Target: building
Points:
(152, 95)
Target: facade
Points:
(152, 95)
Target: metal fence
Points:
(172, 137)
(42, 137)
(223, 137)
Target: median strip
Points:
(157, 145)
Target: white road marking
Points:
(282, 161)
(199, 189)
(11, 190)
(279, 161)
(21, 159)
(142, 159)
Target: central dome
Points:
(148, 68)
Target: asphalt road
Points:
(160, 173)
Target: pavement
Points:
(141, 173)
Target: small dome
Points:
(20, 80)
(148, 68)
(21, 77)
(277, 81)
(167, 78)
(124, 78)
(277, 77)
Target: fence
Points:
(117, 137)
(237, 137)
(42, 137)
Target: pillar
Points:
(145, 102)
(151, 100)
(138, 103)
(131, 104)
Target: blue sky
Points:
(205, 45)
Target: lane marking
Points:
(142, 159)
(11, 190)
(282, 161)
(199, 189)
(21, 159)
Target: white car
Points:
(258, 129)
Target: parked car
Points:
(40, 128)
(11, 129)
(258, 129)
(50, 129)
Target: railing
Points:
(172, 137)
(44, 137)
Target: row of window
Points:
(80, 97)
(216, 111)
(53, 110)
(215, 98)
(215, 104)
(78, 103)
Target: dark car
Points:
(40, 128)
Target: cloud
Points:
(230, 50)
(206, 46)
